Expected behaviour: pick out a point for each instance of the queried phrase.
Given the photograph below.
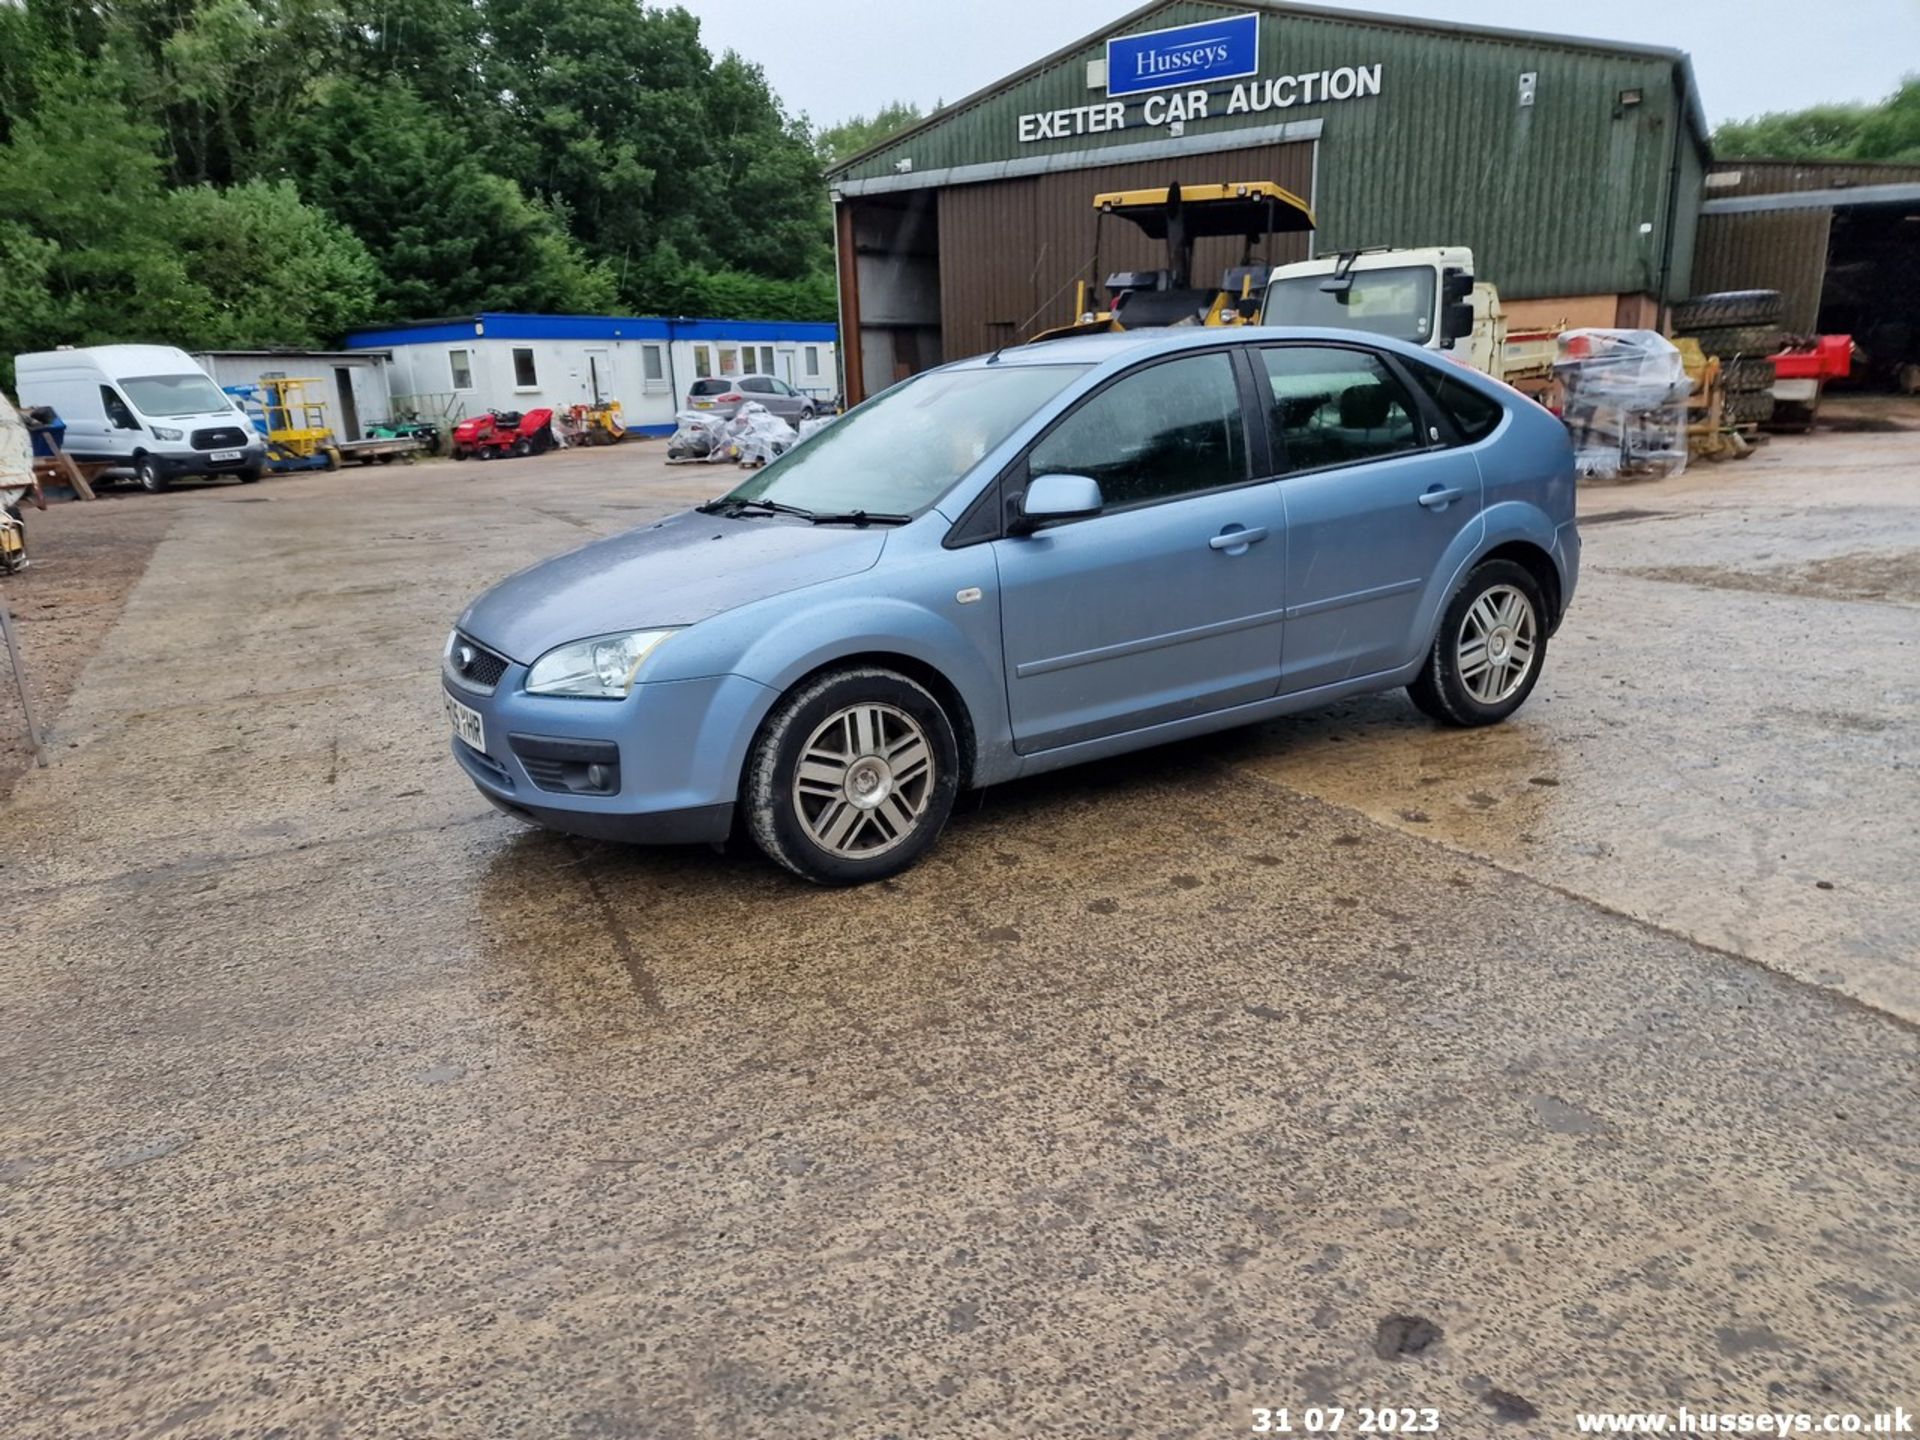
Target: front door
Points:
(598, 376)
(1168, 603)
(349, 411)
(1374, 503)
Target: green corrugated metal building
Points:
(1572, 168)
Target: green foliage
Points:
(254, 172)
(847, 139)
(449, 235)
(1889, 131)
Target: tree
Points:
(277, 271)
(847, 139)
(1887, 131)
(449, 235)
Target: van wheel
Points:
(1487, 655)
(151, 477)
(250, 475)
(852, 778)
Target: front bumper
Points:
(176, 465)
(670, 756)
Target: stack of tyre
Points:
(1742, 327)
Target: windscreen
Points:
(903, 450)
(161, 396)
(1396, 301)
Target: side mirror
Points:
(1057, 497)
(1456, 321)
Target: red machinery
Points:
(1800, 374)
(507, 433)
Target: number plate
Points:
(466, 722)
(219, 455)
(703, 404)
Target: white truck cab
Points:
(146, 410)
(1419, 296)
(1427, 297)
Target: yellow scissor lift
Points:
(298, 436)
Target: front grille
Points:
(225, 437)
(474, 666)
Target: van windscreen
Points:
(163, 396)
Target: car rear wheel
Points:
(1487, 655)
(852, 778)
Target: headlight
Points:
(602, 667)
(161, 432)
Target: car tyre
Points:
(852, 777)
(806, 412)
(1489, 649)
(151, 477)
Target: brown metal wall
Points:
(1784, 250)
(1783, 177)
(1010, 249)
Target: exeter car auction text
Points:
(1249, 97)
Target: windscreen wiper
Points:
(858, 517)
(727, 505)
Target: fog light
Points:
(597, 776)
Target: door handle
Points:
(1235, 539)
(1438, 498)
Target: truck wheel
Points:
(1749, 407)
(1489, 649)
(1728, 307)
(1730, 341)
(151, 477)
(1749, 372)
(852, 778)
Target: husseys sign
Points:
(1193, 62)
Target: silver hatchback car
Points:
(1016, 563)
(724, 396)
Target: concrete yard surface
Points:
(1569, 1065)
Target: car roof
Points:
(1129, 345)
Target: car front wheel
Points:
(1487, 655)
(852, 778)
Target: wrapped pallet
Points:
(1626, 402)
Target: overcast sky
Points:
(835, 58)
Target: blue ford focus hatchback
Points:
(1018, 562)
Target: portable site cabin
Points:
(497, 361)
(353, 384)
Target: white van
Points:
(147, 410)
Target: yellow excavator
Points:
(1255, 210)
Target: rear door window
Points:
(757, 385)
(1333, 406)
(1474, 413)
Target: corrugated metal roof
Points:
(1679, 60)
(1907, 194)
(500, 325)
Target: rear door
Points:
(1375, 499)
(1168, 603)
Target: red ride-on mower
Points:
(506, 433)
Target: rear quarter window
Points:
(1475, 414)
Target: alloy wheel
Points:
(1497, 644)
(864, 780)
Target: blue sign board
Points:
(1185, 55)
